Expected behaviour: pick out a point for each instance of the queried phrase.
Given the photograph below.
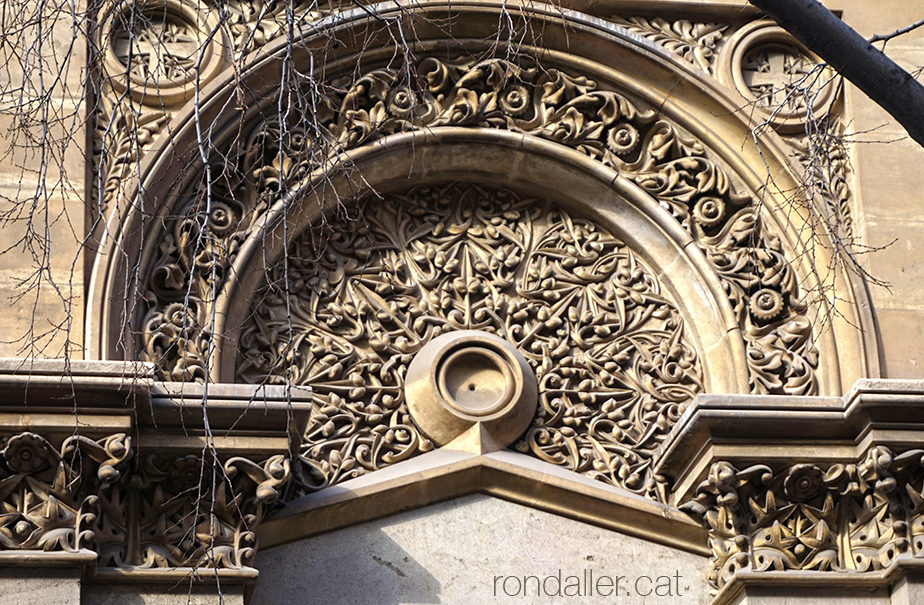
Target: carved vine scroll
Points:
(674, 168)
(856, 517)
(136, 512)
(354, 300)
(48, 495)
(695, 42)
(187, 511)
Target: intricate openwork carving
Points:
(157, 47)
(547, 103)
(777, 75)
(356, 299)
(845, 518)
(695, 42)
(157, 51)
(47, 494)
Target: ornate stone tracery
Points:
(546, 103)
(355, 300)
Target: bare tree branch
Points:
(854, 57)
(897, 32)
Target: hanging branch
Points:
(854, 57)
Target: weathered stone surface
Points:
(37, 586)
(182, 592)
(454, 552)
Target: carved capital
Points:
(48, 494)
(857, 517)
(187, 511)
(135, 512)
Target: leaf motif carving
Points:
(363, 296)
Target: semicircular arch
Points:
(699, 149)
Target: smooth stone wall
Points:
(462, 550)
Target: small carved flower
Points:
(186, 473)
(766, 305)
(26, 453)
(803, 482)
(622, 139)
(709, 211)
(401, 103)
(515, 100)
(221, 218)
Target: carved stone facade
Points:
(846, 518)
(348, 261)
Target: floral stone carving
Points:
(843, 518)
(355, 299)
(135, 512)
(198, 245)
(695, 42)
(187, 511)
(48, 495)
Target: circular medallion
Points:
(469, 376)
(160, 50)
(777, 75)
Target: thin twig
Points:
(896, 33)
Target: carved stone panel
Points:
(275, 158)
(358, 297)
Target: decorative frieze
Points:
(136, 512)
(842, 518)
(49, 494)
(186, 511)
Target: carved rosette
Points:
(671, 166)
(843, 518)
(357, 299)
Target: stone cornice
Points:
(796, 485)
(104, 469)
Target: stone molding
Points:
(798, 491)
(195, 320)
(458, 470)
(565, 108)
(817, 485)
(180, 489)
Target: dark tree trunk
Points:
(883, 81)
